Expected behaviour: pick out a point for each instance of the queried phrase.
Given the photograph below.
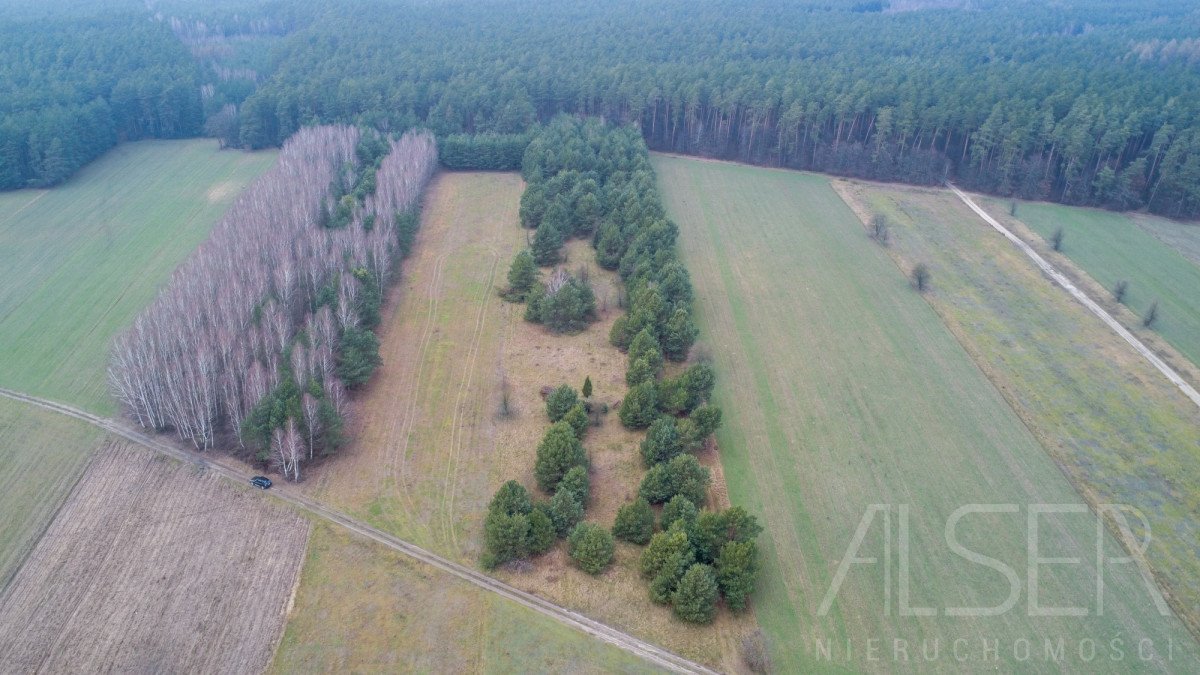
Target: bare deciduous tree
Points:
(880, 230)
(210, 347)
(755, 653)
(286, 450)
(1120, 289)
(921, 276)
(557, 281)
(312, 419)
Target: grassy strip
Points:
(41, 457)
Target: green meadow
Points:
(1119, 430)
(844, 389)
(1111, 247)
(78, 262)
(42, 455)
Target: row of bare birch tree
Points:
(267, 299)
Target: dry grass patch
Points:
(431, 446)
(365, 608)
(423, 455)
(152, 566)
(534, 358)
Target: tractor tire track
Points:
(464, 387)
(400, 474)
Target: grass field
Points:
(1183, 237)
(1119, 429)
(41, 457)
(77, 262)
(430, 448)
(843, 388)
(1111, 247)
(423, 460)
(364, 608)
(151, 566)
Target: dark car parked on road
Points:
(261, 482)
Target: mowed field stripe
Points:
(842, 389)
(397, 457)
(737, 340)
(422, 416)
(655, 655)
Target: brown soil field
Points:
(151, 566)
(430, 446)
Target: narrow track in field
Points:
(400, 473)
(457, 423)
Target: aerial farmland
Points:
(600, 337)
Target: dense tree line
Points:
(586, 178)
(700, 558)
(1086, 103)
(1093, 102)
(231, 40)
(483, 152)
(71, 88)
(262, 330)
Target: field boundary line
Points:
(31, 202)
(20, 562)
(653, 654)
(1062, 280)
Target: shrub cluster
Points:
(566, 304)
(561, 470)
(588, 179)
(700, 556)
(514, 527)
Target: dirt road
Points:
(653, 654)
(1061, 279)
